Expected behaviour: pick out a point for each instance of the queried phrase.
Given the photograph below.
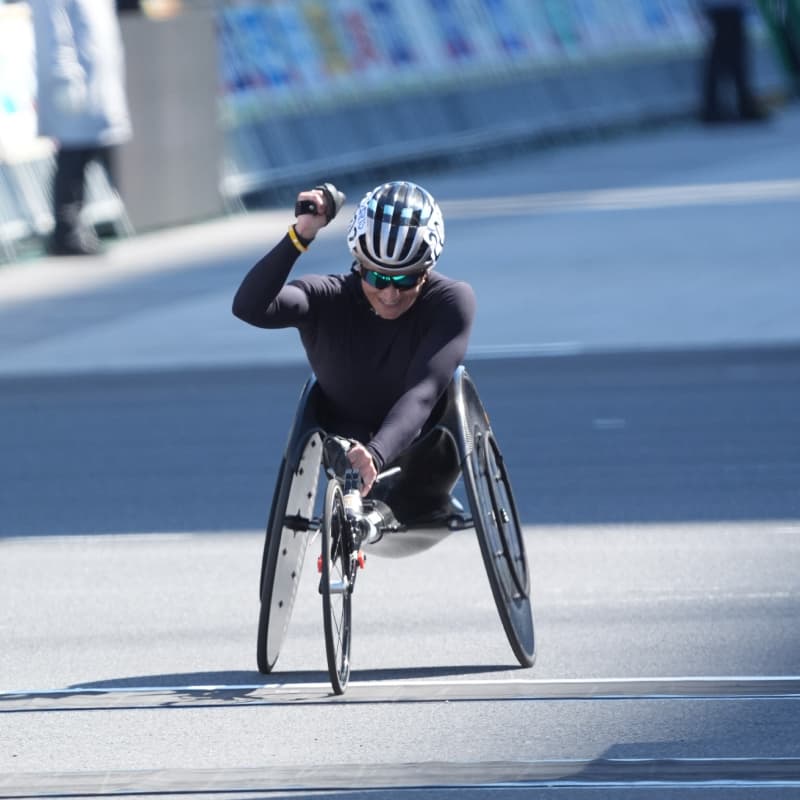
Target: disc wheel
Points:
(272, 622)
(284, 553)
(336, 587)
(500, 536)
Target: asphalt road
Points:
(647, 437)
(659, 494)
(655, 457)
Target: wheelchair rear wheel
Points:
(499, 532)
(271, 630)
(336, 586)
(285, 545)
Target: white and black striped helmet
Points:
(397, 228)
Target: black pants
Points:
(429, 467)
(727, 62)
(69, 185)
(429, 471)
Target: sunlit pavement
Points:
(680, 238)
(663, 485)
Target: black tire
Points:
(336, 587)
(496, 521)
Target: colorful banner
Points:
(509, 30)
(285, 55)
(392, 35)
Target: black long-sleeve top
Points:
(381, 378)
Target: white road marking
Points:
(527, 349)
(657, 597)
(608, 423)
(683, 773)
(684, 685)
(627, 199)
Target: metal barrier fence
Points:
(312, 89)
(27, 162)
(26, 207)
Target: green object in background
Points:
(782, 18)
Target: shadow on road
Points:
(244, 679)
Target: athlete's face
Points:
(391, 302)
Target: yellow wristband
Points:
(295, 241)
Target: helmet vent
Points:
(398, 227)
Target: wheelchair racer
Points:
(383, 340)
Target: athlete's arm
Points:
(428, 376)
(262, 299)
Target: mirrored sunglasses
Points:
(400, 282)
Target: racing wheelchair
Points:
(348, 525)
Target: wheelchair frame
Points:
(492, 506)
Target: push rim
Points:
(502, 546)
(495, 486)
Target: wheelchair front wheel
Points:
(336, 586)
(496, 521)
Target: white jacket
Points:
(80, 70)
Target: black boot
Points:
(70, 236)
(73, 240)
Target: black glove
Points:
(334, 200)
(334, 456)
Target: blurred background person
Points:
(81, 103)
(727, 63)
